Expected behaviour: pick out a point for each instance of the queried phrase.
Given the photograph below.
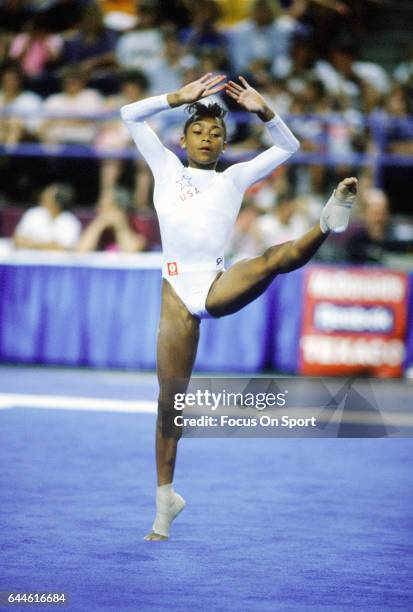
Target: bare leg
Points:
(143, 186)
(248, 279)
(177, 345)
(109, 174)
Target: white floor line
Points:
(14, 400)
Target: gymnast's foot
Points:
(155, 537)
(336, 213)
(168, 505)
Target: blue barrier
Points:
(99, 317)
(83, 315)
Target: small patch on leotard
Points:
(172, 268)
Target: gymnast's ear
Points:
(182, 142)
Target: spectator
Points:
(49, 226)
(35, 49)
(13, 99)
(119, 15)
(283, 224)
(92, 48)
(71, 120)
(203, 33)
(111, 229)
(143, 47)
(302, 65)
(253, 233)
(167, 72)
(243, 241)
(265, 193)
(378, 234)
(75, 99)
(400, 129)
(327, 20)
(114, 136)
(134, 86)
(275, 91)
(351, 74)
(210, 60)
(311, 132)
(260, 36)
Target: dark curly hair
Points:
(199, 111)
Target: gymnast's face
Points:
(204, 142)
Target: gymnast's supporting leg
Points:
(177, 345)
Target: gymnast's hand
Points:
(249, 98)
(201, 88)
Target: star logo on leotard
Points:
(184, 181)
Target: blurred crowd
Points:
(67, 66)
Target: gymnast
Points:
(197, 208)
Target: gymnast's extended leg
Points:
(248, 279)
(176, 351)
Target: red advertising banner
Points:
(354, 322)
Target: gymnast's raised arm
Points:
(152, 150)
(284, 145)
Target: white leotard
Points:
(197, 208)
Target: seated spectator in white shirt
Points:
(351, 74)
(283, 224)
(142, 47)
(253, 233)
(75, 99)
(49, 226)
(13, 99)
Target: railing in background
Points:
(380, 128)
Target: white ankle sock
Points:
(336, 213)
(168, 505)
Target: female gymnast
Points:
(197, 208)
